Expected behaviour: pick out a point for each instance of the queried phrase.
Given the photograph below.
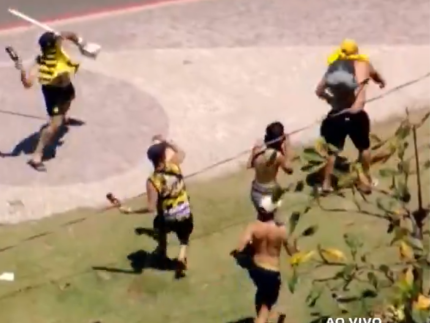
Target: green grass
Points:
(55, 280)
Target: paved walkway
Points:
(210, 74)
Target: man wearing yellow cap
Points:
(343, 87)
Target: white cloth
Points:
(91, 50)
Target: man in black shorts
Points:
(344, 87)
(169, 200)
(53, 69)
(265, 237)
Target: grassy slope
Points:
(55, 281)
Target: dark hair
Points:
(157, 153)
(275, 135)
(265, 216)
(47, 41)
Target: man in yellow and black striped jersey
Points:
(53, 70)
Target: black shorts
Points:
(268, 283)
(357, 126)
(56, 96)
(182, 229)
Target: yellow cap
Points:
(349, 46)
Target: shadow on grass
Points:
(243, 320)
(141, 260)
(147, 232)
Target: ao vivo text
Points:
(354, 320)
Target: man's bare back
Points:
(266, 165)
(267, 239)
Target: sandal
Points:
(37, 166)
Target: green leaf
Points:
(415, 243)
(368, 293)
(314, 296)
(402, 149)
(388, 172)
(373, 280)
(278, 192)
(348, 271)
(346, 181)
(423, 120)
(403, 131)
(420, 316)
(312, 166)
(292, 281)
(387, 272)
(293, 221)
(300, 185)
(402, 193)
(378, 145)
(352, 243)
(426, 165)
(404, 167)
(399, 234)
(374, 138)
(309, 231)
(311, 154)
(333, 149)
(380, 205)
(384, 268)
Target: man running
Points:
(168, 199)
(344, 87)
(266, 237)
(53, 70)
(267, 158)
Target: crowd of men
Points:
(343, 87)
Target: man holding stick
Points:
(53, 70)
(344, 87)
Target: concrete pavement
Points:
(210, 74)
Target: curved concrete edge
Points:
(218, 102)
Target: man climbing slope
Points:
(344, 87)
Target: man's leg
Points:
(160, 228)
(183, 231)
(70, 94)
(360, 136)
(334, 133)
(268, 285)
(45, 137)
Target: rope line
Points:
(217, 164)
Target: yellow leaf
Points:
(422, 303)
(408, 277)
(405, 251)
(396, 313)
(321, 146)
(333, 254)
(301, 257)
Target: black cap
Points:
(156, 152)
(47, 40)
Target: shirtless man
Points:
(267, 237)
(266, 158)
(344, 88)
